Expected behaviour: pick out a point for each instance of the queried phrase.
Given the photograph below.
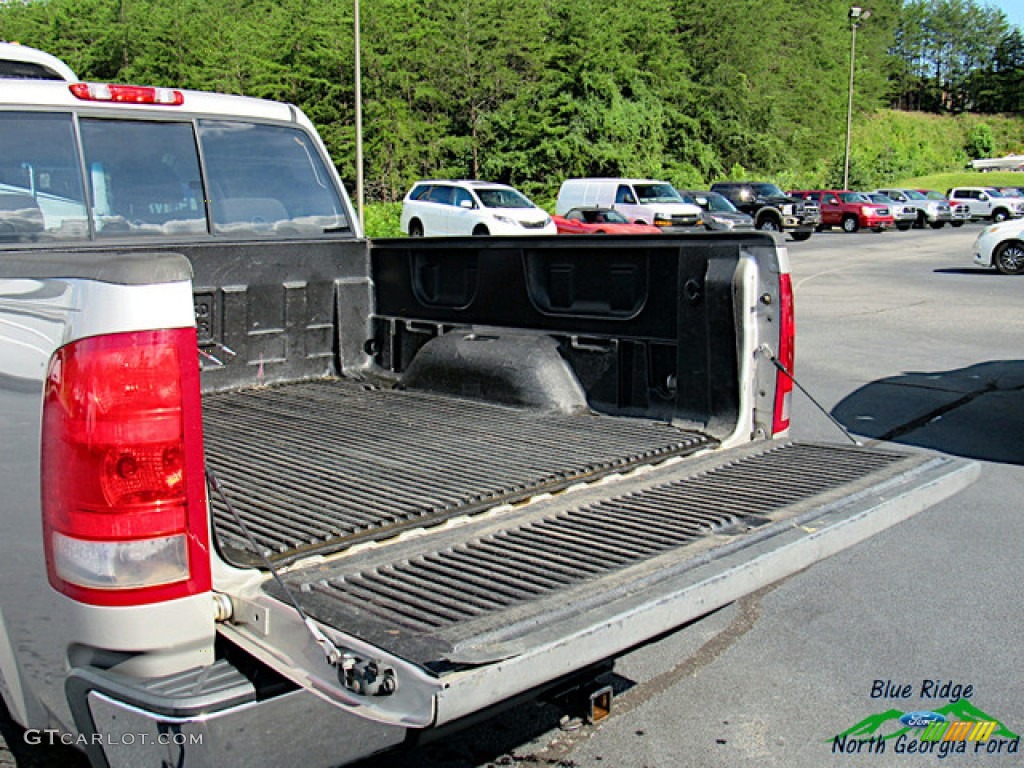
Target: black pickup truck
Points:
(771, 208)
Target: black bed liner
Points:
(316, 466)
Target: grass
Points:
(944, 181)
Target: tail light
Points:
(127, 94)
(785, 356)
(124, 494)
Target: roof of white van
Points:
(618, 180)
(47, 93)
(22, 62)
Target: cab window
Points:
(41, 192)
(267, 180)
(144, 178)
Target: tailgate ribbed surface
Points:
(314, 466)
(461, 583)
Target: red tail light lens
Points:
(786, 355)
(124, 494)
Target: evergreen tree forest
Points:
(535, 91)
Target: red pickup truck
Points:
(849, 210)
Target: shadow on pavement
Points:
(976, 412)
(502, 739)
(976, 271)
(34, 751)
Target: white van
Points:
(642, 201)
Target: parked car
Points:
(600, 221)
(642, 201)
(988, 203)
(1001, 246)
(960, 213)
(933, 213)
(471, 208)
(20, 62)
(849, 210)
(771, 208)
(903, 215)
(719, 213)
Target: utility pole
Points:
(856, 15)
(360, 195)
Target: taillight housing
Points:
(123, 483)
(786, 356)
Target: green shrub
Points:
(382, 219)
(980, 142)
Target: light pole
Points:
(857, 15)
(360, 196)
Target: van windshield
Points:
(497, 197)
(657, 193)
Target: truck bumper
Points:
(214, 717)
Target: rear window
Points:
(27, 70)
(41, 192)
(136, 178)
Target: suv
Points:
(471, 208)
(849, 210)
(934, 213)
(988, 203)
(20, 62)
(772, 209)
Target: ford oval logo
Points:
(921, 719)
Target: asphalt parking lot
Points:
(901, 339)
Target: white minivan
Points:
(19, 62)
(642, 201)
(471, 208)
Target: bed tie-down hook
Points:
(366, 677)
(769, 353)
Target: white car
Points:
(1001, 246)
(471, 208)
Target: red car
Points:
(849, 210)
(599, 221)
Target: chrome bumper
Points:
(215, 719)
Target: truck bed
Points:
(316, 466)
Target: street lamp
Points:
(857, 15)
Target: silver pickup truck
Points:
(276, 494)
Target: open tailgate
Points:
(484, 608)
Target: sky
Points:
(1014, 10)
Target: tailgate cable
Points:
(335, 657)
(765, 350)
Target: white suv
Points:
(471, 208)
